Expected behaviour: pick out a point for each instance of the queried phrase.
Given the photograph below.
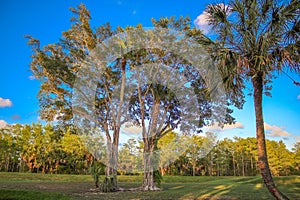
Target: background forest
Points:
(48, 149)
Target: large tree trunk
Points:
(149, 164)
(148, 181)
(150, 144)
(263, 164)
(110, 183)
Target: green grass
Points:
(35, 177)
(47, 186)
(29, 195)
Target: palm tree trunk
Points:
(263, 164)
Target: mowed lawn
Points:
(48, 186)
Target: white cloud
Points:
(275, 131)
(2, 123)
(298, 97)
(237, 125)
(31, 78)
(129, 129)
(5, 103)
(201, 22)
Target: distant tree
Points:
(167, 147)
(199, 147)
(296, 150)
(281, 159)
(9, 150)
(129, 158)
(194, 150)
(256, 38)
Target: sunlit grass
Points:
(173, 187)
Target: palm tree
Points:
(255, 39)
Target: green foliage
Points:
(108, 184)
(97, 169)
(157, 178)
(130, 158)
(45, 149)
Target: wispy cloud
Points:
(134, 12)
(275, 131)
(201, 22)
(237, 125)
(5, 103)
(2, 123)
(298, 97)
(31, 78)
(16, 117)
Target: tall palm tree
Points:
(255, 39)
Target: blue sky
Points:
(47, 19)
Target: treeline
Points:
(228, 157)
(48, 149)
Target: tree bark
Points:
(150, 143)
(148, 181)
(149, 161)
(263, 164)
(110, 182)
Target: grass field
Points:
(46, 186)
